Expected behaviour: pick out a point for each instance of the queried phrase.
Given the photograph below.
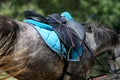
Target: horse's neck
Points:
(117, 51)
(99, 48)
(91, 41)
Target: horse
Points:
(105, 37)
(23, 50)
(25, 55)
(109, 39)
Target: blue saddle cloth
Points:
(52, 40)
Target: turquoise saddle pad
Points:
(52, 40)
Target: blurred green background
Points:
(106, 11)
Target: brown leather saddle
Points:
(71, 33)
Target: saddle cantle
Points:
(71, 33)
(29, 14)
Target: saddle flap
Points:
(77, 29)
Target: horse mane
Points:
(104, 38)
(104, 34)
(8, 38)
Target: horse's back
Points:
(41, 60)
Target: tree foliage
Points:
(107, 11)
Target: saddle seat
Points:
(70, 33)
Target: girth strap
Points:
(66, 64)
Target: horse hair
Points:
(104, 38)
(104, 34)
